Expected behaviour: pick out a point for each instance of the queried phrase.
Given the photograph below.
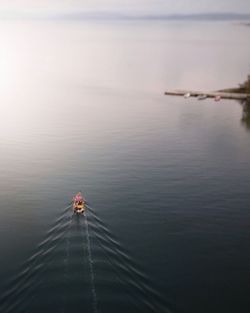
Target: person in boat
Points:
(78, 198)
(79, 203)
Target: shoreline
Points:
(232, 93)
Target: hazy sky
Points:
(129, 6)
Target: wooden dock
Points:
(213, 94)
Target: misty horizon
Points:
(116, 15)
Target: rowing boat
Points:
(79, 203)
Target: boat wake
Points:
(133, 291)
(92, 276)
(80, 267)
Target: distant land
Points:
(167, 17)
(113, 15)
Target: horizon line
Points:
(116, 15)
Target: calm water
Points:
(167, 179)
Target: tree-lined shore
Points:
(243, 88)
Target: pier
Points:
(213, 94)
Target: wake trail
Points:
(92, 275)
(18, 288)
(126, 269)
(66, 263)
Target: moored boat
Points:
(217, 98)
(202, 97)
(79, 203)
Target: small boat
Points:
(202, 97)
(79, 203)
(217, 98)
(187, 95)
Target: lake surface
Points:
(82, 107)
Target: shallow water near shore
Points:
(167, 178)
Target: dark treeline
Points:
(245, 88)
